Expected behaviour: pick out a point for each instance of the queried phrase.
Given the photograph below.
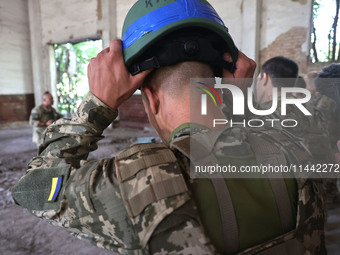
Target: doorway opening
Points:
(71, 72)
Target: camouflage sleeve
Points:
(337, 124)
(72, 139)
(181, 233)
(82, 196)
(35, 117)
(328, 117)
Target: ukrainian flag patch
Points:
(56, 185)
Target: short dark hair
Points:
(331, 71)
(283, 71)
(46, 93)
(327, 79)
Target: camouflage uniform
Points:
(322, 126)
(313, 134)
(313, 131)
(90, 203)
(326, 115)
(41, 114)
(143, 201)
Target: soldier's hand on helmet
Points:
(244, 73)
(337, 155)
(109, 80)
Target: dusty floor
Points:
(21, 233)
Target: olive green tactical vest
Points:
(291, 234)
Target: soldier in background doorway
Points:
(42, 116)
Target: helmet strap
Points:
(184, 48)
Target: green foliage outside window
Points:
(325, 38)
(71, 70)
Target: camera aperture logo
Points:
(239, 105)
(204, 97)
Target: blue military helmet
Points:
(165, 32)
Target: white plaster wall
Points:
(15, 53)
(280, 16)
(122, 9)
(276, 17)
(63, 21)
(231, 13)
(76, 20)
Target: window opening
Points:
(325, 36)
(71, 73)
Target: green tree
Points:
(330, 52)
(314, 54)
(71, 70)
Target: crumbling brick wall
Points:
(289, 45)
(15, 107)
(132, 113)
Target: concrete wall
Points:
(286, 30)
(15, 57)
(16, 84)
(122, 9)
(263, 29)
(61, 21)
(242, 19)
(132, 113)
(15, 107)
(28, 30)
(260, 28)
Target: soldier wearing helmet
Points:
(144, 201)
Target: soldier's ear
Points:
(265, 78)
(152, 99)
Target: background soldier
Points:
(326, 104)
(42, 116)
(300, 83)
(309, 79)
(326, 100)
(144, 201)
(281, 72)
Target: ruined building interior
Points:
(29, 31)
